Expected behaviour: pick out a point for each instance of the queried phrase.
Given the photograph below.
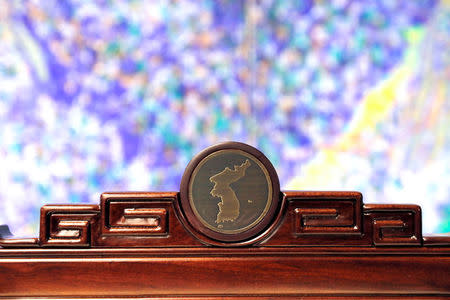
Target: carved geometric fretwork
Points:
(394, 224)
(314, 218)
(248, 210)
(68, 225)
(141, 219)
(282, 244)
(136, 218)
(135, 214)
(327, 216)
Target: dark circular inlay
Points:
(229, 195)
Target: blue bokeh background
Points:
(119, 95)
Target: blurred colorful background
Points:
(119, 95)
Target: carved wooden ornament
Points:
(228, 232)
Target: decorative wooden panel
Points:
(144, 219)
(154, 219)
(132, 217)
(147, 220)
(394, 224)
(227, 273)
(67, 225)
(321, 218)
(327, 216)
(304, 244)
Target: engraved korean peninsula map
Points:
(230, 191)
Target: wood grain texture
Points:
(141, 219)
(140, 245)
(394, 224)
(296, 244)
(68, 225)
(304, 218)
(215, 272)
(315, 218)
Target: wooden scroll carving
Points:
(70, 226)
(154, 219)
(292, 218)
(140, 220)
(394, 224)
(228, 232)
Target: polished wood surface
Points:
(145, 219)
(310, 244)
(137, 245)
(216, 272)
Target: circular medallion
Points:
(229, 192)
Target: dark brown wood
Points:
(68, 225)
(321, 244)
(436, 241)
(394, 224)
(231, 272)
(321, 218)
(20, 243)
(313, 244)
(117, 229)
